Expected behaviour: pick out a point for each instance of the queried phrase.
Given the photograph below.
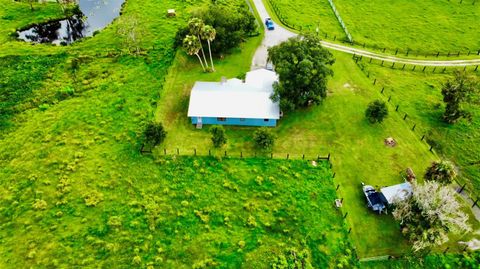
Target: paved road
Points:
(271, 38)
(281, 34)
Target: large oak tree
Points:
(303, 67)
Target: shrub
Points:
(65, 93)
(441, 171)
(264, 139)
(154, 133)
(456, 93)
(376, 111)
(218, 136)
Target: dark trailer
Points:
(376, 201)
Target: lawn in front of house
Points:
(337, 126)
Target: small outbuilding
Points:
(235, 102)
(397, 192)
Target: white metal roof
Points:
(234, 99)
(397, 192)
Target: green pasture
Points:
(426, 26)
(419, 95)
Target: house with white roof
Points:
(235, 102)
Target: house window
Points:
(221, 119)
(242, 119)
(265, 120)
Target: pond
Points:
(96, 15)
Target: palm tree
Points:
(196, 26)
(191, 44)
(209, 34)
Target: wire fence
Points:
(348, 39)
(420, 131)
(414, 67)
(146, 149)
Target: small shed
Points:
(397, 192)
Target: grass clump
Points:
(171, 216)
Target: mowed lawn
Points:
(337, 126)
(419, 95)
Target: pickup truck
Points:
(269, 24)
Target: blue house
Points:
(235, 102)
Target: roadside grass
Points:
(307, 15)
(419, 95)
(136, 211)
(338, 126)
(429, 26)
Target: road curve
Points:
(281, 34)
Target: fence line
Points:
(344, 27)
(419, 129)
(349, 40)
(145, 149)
(415, 67)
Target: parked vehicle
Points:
(269, 24)
(376, 200)
(269, 66)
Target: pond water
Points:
(96, 15)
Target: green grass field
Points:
(469, 260)
(337, 126)
(142, 212)
(70, 138)
(419, 95)
(428, 26)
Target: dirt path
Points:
(281, 34)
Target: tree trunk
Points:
(203, 52)
(210, 52)
(200, 59)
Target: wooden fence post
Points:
(463, 187)
(475, 203)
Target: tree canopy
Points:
(264, 139)
(218, 136)
(442, 172)
(430, 214)
(456, 92)
(376, 111)
(154, 133)
(232, 26)
(303, 67)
